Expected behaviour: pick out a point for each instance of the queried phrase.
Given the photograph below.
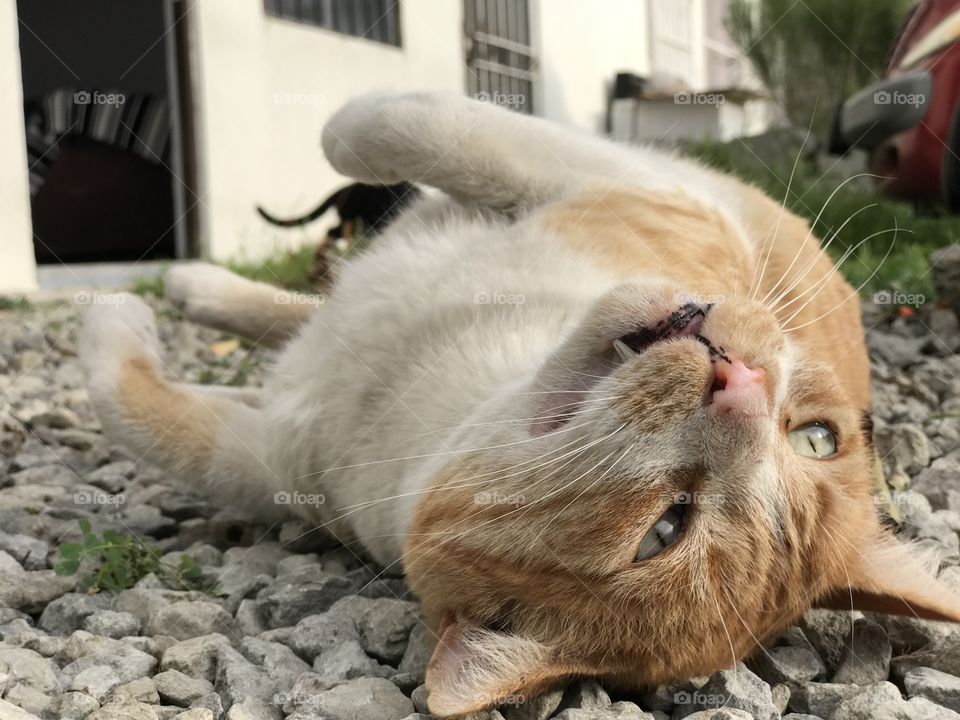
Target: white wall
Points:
(265, 86)
(581, 47)
(17, 267)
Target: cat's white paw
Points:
(116, 328)
(373, 138)
(203, 292)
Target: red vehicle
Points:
(910, 120)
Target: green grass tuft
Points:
(905, 269)
(18, 303)
(289, 268)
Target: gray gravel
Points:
(303, 630)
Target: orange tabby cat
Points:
(605, 406)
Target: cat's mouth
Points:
(685, 321)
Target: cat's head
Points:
(677, 484)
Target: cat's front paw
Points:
(202, 292)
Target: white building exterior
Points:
(260, 88)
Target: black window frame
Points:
(376, 20)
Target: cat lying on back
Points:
(604, 406)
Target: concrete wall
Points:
(17, 268)
(581, 48)
(265, 86)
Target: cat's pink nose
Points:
(738, 389)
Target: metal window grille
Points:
(377, 20)
(500, 61)
(671, 30)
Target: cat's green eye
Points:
(814, 440)
(664, 533)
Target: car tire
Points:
(951, 165)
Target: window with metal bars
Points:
(500, 61)
(377, 20)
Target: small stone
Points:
(30, 699)
(185, 620)
(32, 591)
(141, 690)
(361, 699)
(29, 552)
(586, 694)
(867, 657)
(781, 697)
(819, 699)
(29, 668)
(882, 701)
(179, 689)
(936, 686)
(828, 632)
(417, 655)
(238, 679)
(737, 688)
(250, 618)
(112, 624)
(253, 709)
(75, 706)
(195, 714)
(786, 664)
(539, 707)
(69, 612)
(281, 663)
(9, 711)
(125, 711)
(287, 603)
(96, 680)
(347, 661)
(212, 703)
(90, 650)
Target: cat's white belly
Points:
(419, 335)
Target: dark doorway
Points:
(100, 91)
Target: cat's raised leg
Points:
(213, 296)
(477, 153)
(209, 439)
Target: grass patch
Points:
(118, 562)
(18, 303)
(906, 268)
(149, 285)
(289, 269)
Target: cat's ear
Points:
(474, 668)
(887, 576)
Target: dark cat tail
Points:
(304, 219)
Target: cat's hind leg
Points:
(210, 440)
(215, 297)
